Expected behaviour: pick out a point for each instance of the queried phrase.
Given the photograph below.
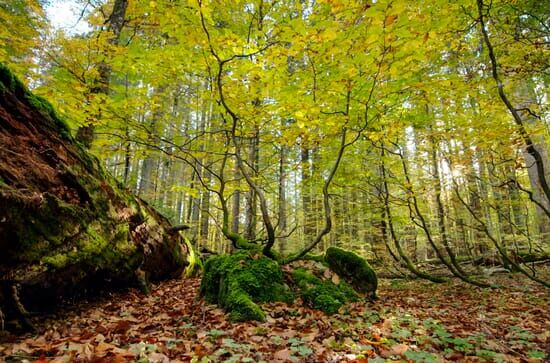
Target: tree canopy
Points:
(406, 131)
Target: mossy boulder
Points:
(240, 281)
(322, 294)
(353, 269)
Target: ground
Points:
(412, 321)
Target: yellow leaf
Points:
(390, 20)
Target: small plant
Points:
(297, 346)
(216, 333)
(421, 356)
(537, 354)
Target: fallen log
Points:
(67, 228)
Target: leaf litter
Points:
(413, 321)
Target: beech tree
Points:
(297, 126)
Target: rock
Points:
(353, 269)
(239, 281)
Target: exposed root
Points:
(23, 313)
(143, 282)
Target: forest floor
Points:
(413, 321)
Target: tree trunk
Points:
(282, 207)
(67, 228)
(236, 204)
(251, 205)
(307, 203)
(86, 133)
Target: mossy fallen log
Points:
(67, 228)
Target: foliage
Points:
(412, 95)
(21, 23)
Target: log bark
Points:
(68, 228)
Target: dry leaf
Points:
(283, 355)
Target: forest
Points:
(274, 181)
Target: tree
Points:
(269, 119)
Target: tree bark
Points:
(68, 228)
(282, 207)
(251, 199)
(86, 133)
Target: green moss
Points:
(327, 303)
(45, 107)
(93, 241)
(43, 229)
(316, 258)
(239, 281)
(242, 307)
(195, 265)
(56, 261)
(9, 82)
(354, 269)
(322, 295)
(304, 279)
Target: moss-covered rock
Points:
(354, 269)
(239, 281)
(322, 295)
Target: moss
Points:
(354, 269)
(56, 261)
(178, 255)
(45, 107)
(9, 82)
(316, 258)
(237, 301)
(323, 295)
(195, 265)
(239, 281)
(43, 228)
(327, 303)
(93, 242)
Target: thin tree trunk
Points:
(235, 204)
(85, 134)
(282, 205)
(307, 205)
(251, 199)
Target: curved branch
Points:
(530, 147)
